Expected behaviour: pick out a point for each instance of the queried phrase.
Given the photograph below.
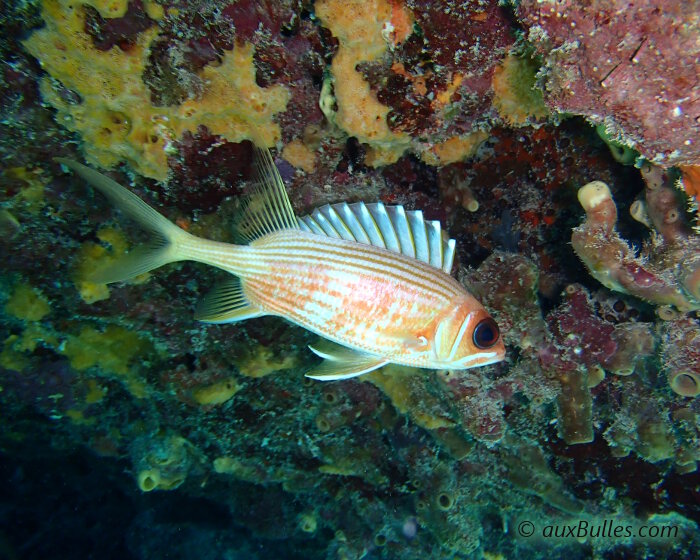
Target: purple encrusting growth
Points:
(121, 31)
(194, 440)
(209, 169)
(629, 65)
(468, 39)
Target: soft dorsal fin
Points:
(389, 227)
(267, 208)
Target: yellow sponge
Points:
(116, 118)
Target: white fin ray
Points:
(226, 303)
(326, 215)
(338, 223)
(420, 235)
(397, 215)
(307, 223)
(388, 227)
(448, 255)
(326, 225)
(435, 243)
(329, 350)
(267, 209)
(341, 362)
(368, 223)
(348, 216)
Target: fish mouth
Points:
(495, 360)
(480, 359)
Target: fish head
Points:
(468, 337)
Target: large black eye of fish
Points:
(485, 333)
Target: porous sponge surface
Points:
(115, 116)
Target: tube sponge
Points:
(597, 201)
(445, 500)
(163, 462)
(685, 383)
(575, 405)
(308, 522)
(148, 479)
(680, 355)
(593, 194)
(151, 479)
(665, 271)
(634, 341)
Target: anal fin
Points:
(342, 363)
(226, 303)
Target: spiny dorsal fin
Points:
(226, 303)
(267, 208)
(389, 227)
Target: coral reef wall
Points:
(557, 142)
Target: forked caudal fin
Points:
(267, 209)
(164, 246)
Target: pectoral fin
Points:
(342, 363)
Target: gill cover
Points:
(449, 333)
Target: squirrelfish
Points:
(372, 280)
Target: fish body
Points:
(371, 304)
